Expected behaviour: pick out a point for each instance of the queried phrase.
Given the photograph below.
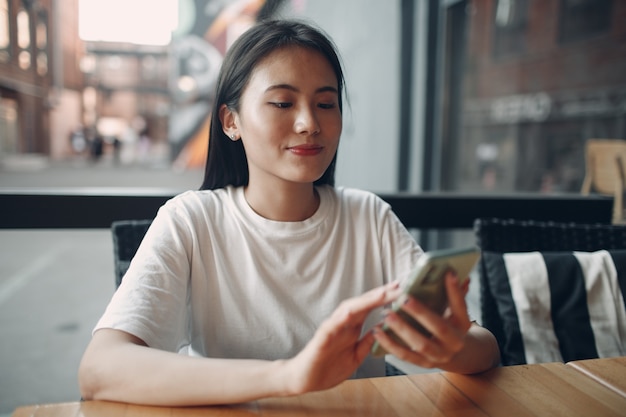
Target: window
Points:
(5, 38)
(510, 21)
(524, 122)
(582, 19)
(42, 63)
(42, 33)
(23, 39)
(41, 41)
(8, 126)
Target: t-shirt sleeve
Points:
(151, 302)
(400, 250)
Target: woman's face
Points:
(289, 118)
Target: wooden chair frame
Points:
(605, 168)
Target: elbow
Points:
(99, 372)
(486, 351)
(493, 358)
(88, 380)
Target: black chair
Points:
(503, 236)
(127, 235)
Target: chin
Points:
(306, 177)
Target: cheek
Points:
(334, 126)
(268, 123)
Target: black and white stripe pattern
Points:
(559, 306)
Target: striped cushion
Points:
(559, 306)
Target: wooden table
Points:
(610, 372)
(552, 389)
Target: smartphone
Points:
(427, 284)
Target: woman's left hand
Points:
(448, 332)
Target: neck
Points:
(287, 203)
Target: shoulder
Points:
(354, 197)
(358, 205)
(199, 205)
(192, 212)
(195, 199)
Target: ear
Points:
(229, 122)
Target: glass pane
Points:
(510, 20)
(4, 30)
(23, 29)
(24, 60)
(8, 126)
(42, 63)
(42, 35)
(582, 19)
(529, 102)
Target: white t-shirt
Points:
(213, 278)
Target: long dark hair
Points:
(226, 160)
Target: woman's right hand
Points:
(337, 348)
(117, 366)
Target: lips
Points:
(306, 149)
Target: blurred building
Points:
(471, 95)
(126, 93)
(539, 78)
(62, 90)
(27, 77)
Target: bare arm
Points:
(120, 367)
(456, 344)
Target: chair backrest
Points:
(127, 235)
(605, 163)
(511, 235)
(502, 236)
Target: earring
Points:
(232, 136)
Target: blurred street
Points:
(54, 284)
(39, 172)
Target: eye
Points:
(326, 105)
(281, 104)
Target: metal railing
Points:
(99, 207)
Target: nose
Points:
(306, 121)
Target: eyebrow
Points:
(292, 88)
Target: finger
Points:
(346, 322)
(465, 286)
(421, 313)
(400, 351)
(456, 301)
(365, 346)
(447, 334)
(414, 339)
(355, 310)
(436, 349)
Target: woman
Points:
(263, 283)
